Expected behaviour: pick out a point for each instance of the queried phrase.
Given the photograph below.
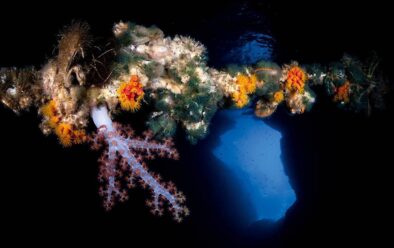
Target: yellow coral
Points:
(68, 135)
(295, 79)
(79, 136)
(130, 94)
(240, 98)
(246, 85)
(64, 132)
(49, 109)
(278, 96)
(53, 121)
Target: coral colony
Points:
(169, 79)
(124, 155)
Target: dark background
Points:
(338, 162)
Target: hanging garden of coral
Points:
(170, 78)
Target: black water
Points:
(338, 162)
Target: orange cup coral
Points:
(240, 98)
(278, 96)
(130, 94)
(66, 133)
(342, 93)
(246, 85)
(49, 110)
(296, 78)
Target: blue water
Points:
(252, 151)
(250, 48)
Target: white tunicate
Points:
(101, 117)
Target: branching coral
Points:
(122, 164)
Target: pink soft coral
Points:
(122, 165)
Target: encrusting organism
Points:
(246, 85)
(278, 96)
(342, 93)
(130, 94)
(69, 93)
(175, 78)
(295, 78)
(66, 133)
(166, 79)
(20, 89)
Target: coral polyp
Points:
(68, 135)
(278, 96)
(240, 98)
(295, 79)
(342, 93)
(130, 94)
(66, 132)
(49, 111)
(246, 85)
